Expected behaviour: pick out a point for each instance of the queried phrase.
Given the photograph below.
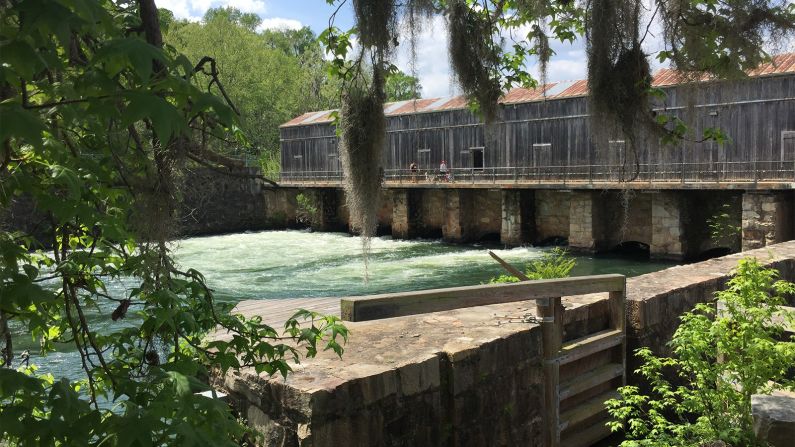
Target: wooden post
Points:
(550, 312)
(618, 315)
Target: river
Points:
(291, 264)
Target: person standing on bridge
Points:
(443, 170)
(414, 169)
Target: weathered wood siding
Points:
(550, 139)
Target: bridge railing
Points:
(702, 172)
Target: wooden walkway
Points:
(275, 312)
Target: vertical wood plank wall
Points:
(553, 134)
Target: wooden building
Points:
(543, 135)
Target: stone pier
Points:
(584, 219)
(551, 215)
(768, 218)
(457, 215)
(406, 213)
(516, 217)
(667, 232)
(673, 224)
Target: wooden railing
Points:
(579, 375)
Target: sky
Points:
(432, 65)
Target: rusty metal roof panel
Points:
(414, 106)
(578, 88)
(781, 64)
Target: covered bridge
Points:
(543, 136)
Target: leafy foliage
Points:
(720, 358)
(270, 76)
(98, 122)
(723, 230)
(306, 210)
(556, 263)
(400, 87)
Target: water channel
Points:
(292, 264)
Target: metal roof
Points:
(781, 64)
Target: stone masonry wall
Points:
(625, 218)
(551, 214)
(656, 300)
(583, 218)
(279, 207)
(218, 203)
(470, 377)
(767, 218)
(511, 232)
(433, 201)
(457, 213)
(486, 213)
(667, 236)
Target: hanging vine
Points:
(475, 56)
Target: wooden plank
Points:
(587, 437)
(511, 269)
(585, 346)
(618, 320)
(590, 379)
(586, 410)
(551, 312)
(375, 307)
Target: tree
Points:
(400, 87)
(271, 77)
(98, 120)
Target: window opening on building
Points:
(477, 158)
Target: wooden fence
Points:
(579, 375)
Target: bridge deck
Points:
(275, 312)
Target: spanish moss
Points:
(474, 56)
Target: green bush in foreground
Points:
(554, 264)
(720, 358)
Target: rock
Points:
(774, 419)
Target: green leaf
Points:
(16, 122)
(165, 118)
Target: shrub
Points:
(720, 358)
(556, 263)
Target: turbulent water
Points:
(289, 264)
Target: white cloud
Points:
(432, 64)
(279, 23)
(194, 10)
(257, 6)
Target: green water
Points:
(290, 264)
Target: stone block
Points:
(415, 378)
(774, 419)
